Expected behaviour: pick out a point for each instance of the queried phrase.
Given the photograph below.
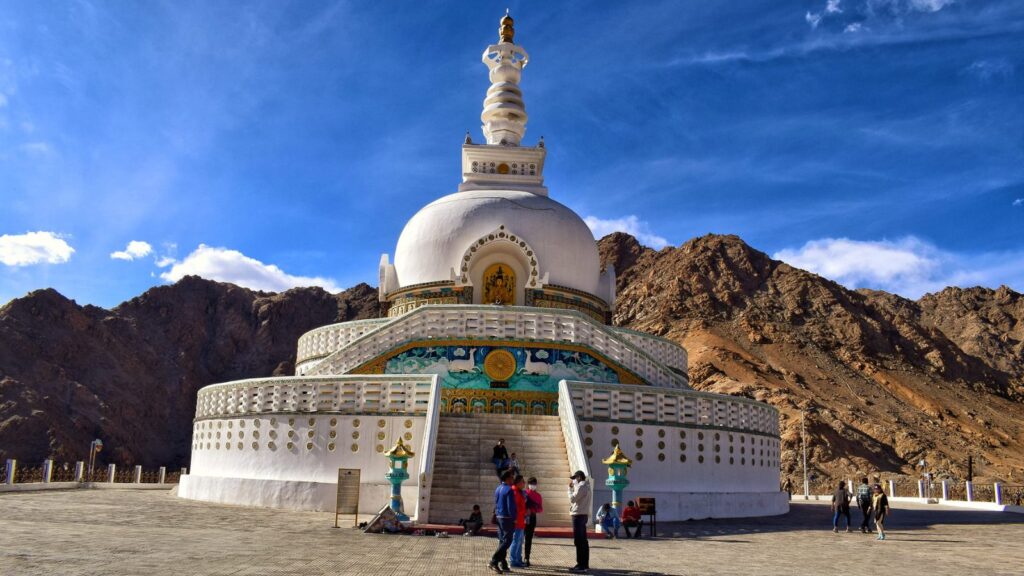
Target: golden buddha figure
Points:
(499, 285)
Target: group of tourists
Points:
(873, 504)
(516, 505)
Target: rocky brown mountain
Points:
(129, 376)
(883, 381)
(887, 381)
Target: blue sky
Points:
(877, 142)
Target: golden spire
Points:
(400, 451)
(506, 32)
(617, 457)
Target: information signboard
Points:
(348, 494)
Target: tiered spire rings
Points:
(504, 116)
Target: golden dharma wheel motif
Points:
(500, 365)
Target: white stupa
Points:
(497, 325)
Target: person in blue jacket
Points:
(505, 512)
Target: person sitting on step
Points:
(475, 522)
(631, 519)
(608, 519)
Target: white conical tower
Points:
(504, 114)
(502, 163)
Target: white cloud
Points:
(852, 28)
(34, 248)
(813, 19)
(930, 5)
(908, 266)
(135, 249)
(165, 261)
(832, 7)
(1018, 202)
(985, 70)
(37, 148)
(225, 265)
(630, 225)
(3, 100)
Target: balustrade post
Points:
(920, 488)
(945, 489)
(892, 488)
(47, 471)
(997, 493)
(969, 490)
(79, 471)
(138, 474)
(12, 467)
(111, 471)
(163, 475)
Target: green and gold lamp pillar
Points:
(397, 473)
(618, 466)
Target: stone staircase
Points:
(464, 475)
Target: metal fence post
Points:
(997, 493)
(47, 471)
(945, 489)
(892, 488)
(12, 467)
(138, 474)
(111, 471)
(969, 489)
(79, 471)
(163, 475)
(920, 488)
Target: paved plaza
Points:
(134, 532)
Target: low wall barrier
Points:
(14, 472)
(941, 491)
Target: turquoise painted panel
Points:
(537, 369)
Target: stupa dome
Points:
(435, 242)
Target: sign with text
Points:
(348, 494)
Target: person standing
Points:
(500, 457)
(864, 503)
(580, 503)
(840, 506)
(505, 514)
(518, 535)
(880, 508)
(788, 487)
(631, 519)
(534, 506)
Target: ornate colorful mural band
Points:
(498, 402)
(509, 365)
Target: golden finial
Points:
(506, 32)
(617, 457)
(400, 451)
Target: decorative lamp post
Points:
(617, 467)
(398, 473)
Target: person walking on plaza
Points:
(505, 514)
(534, 506)
(880, 509)
(840, 506)
(788, 487)
(864, 503)
(500, 457)
(580, 503)
(518, 535)
(631, 519)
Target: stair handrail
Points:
(577, 452)
(428, 449)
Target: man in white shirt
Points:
(580, 503)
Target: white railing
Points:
(322, 341)
(644, 404)
(428, 448)
(501, 323)
(349, 394)
(665, 350)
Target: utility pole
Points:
(803, 440)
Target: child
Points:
(513, 463)
(608, 518)
(475, 522)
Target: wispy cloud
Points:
(225, 265)
(135, 249)
(34, 248)
(1018, 202)
(908, 266)
(37, 148)
(990, 69)
(630, 225)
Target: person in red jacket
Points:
(517, 536)
(534, 506)
(631, 519)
